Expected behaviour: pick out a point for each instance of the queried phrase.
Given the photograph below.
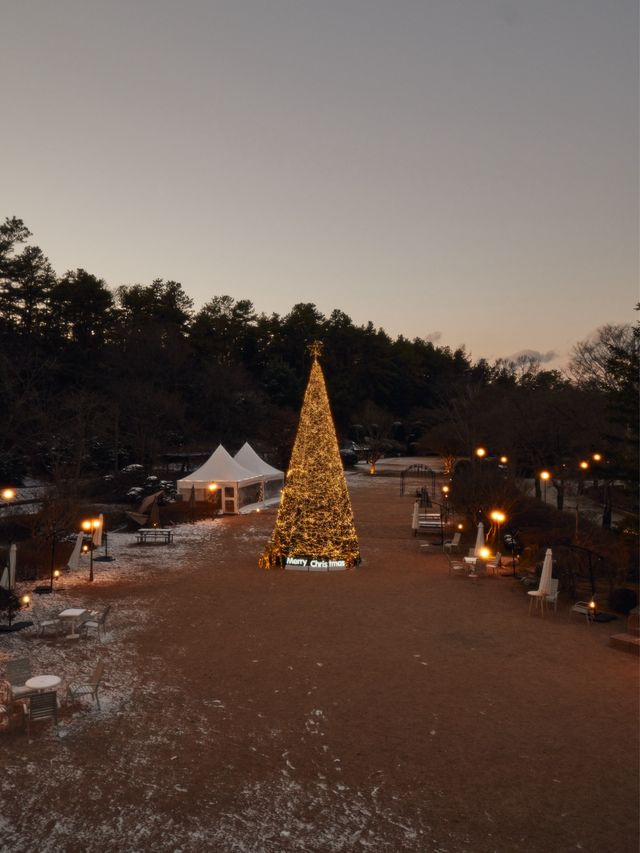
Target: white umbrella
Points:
(12, 566)
(479, 540)
(4, 579)
(545, 577)
(97, 533)
(416, 512)
(74, 559)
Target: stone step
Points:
(626, 643)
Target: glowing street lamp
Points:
(481, 452)
(498, 518)
(8, 494)
(504, 460)
(545, 476)
(597, 457)
(89, 526)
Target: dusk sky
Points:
(459, 170)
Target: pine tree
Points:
(315, 519)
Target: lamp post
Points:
(498, 518)
(8, 494)
(583, 466)
(89, 525)
(545, 476)
(445, 503)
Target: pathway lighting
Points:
(480, 452)
(504, 460)
(597, 457)
(8, 494)
(55, 574)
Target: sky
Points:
(463, 171)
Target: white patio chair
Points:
(42, 706)
(552, 596)
(495, 564)
(46, 624)
(453, 543)
(95, 622)
(456, 567)
(90, 687)
(18, 671)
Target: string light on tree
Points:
(314, 527)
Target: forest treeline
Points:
(94, 377)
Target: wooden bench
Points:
(154, 536)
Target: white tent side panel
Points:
(238, 486)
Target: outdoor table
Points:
(43, 682)
(73, 614)
(155, 535)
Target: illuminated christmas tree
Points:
(314, 527)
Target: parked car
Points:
(134, 468)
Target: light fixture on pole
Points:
(545, 476)
(498, 518)
(89, 526)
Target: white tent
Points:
(272, 478)
(238, 486)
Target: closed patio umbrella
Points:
(74, 559)
(544, 587)
(545, 576)
(479, 540)
(414, 520)
(12, 566)
(97, 533)
(4, 578)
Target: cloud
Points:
(542, 357)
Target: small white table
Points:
(73, 614)
(43, 682)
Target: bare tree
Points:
(590, 362)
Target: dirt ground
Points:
(387, 708)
